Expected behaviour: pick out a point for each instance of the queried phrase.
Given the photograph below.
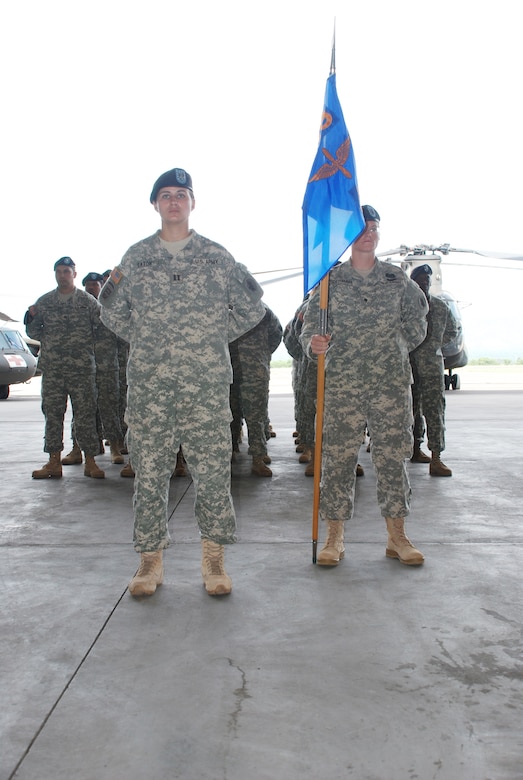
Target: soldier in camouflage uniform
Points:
(66, 322)
(179, 299)
(294, 348)
(107, 377)
(304, 386)
(376, 316)
(107, 384)
(235, 398)
(428, 370)
(123, 357)
(254, 350)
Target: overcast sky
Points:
(98, 99)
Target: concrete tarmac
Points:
(371, 670)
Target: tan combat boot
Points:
(116, 456)
(259, 468)
(399, 546)
(309, 471)
(216, 580)
(437, 468)
(74, 457)
(149, 574)
(91, 468)
(127, 471)
(180, 469)
(333, 550)
(51, 470)
(418, 456)
(306, 456)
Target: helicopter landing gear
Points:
(452, 381)
(4, 392)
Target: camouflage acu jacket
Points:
(180, 311)
(441, 329)
(66, 328)
(374, 321)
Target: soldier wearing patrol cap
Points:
(179, 299)
(65, 321)
(428, 370)
(376, 315)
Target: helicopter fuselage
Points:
(17, 363)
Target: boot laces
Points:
(400, 537)
(333, 536)
(214, 560)
(147, 566)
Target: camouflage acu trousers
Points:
(387, 411)
(254, 394)
(428, 396)
(307, 403)
(57, 386)
(165, 416)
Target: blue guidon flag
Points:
(332, 217)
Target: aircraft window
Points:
(13, 339)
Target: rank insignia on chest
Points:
(177, 277)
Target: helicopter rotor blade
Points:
(278, 270)
(280, 278)
(400, 250)
(495, 255)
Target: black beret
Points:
(93, 277)
(421, 269)
(176, 177)
(64, 261)
(370, 214)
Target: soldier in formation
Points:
(376, 316)
(190, 290)
(107, 385)
(66, 321)
(428, 370)
(251, 355)
(304, 388)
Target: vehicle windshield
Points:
(11, 339)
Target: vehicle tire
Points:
(447, 382)
(455, 382)
(4, 392)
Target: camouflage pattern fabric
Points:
(66, 327)
(293, 346)
(428, 389)
(374, 321)
(254, 355)
(123, 356)
(235, 396)
(307, 378)
(178, 315)
(108, 384)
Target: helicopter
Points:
(17, 362)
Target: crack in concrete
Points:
(240, 694)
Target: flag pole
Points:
(320, 382)
(320, 398)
